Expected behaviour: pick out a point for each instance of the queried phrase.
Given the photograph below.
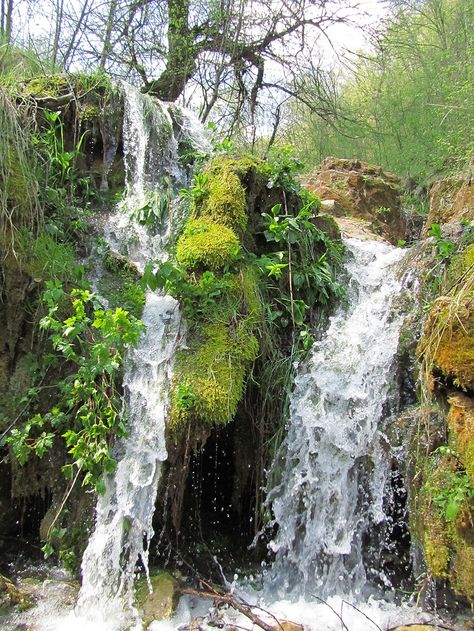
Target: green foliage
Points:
(46, 259)
(198, 297)
(445, 248)
(198, 190)
(86, 406)
(61, 180)
(300, 276)
(205, 244)
(455, 489)
(18, 182)
(155, 206)
(408, 106)
(283, 166)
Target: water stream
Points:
(337, 464)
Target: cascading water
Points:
(336, 470)
(124, 513)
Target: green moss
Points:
(461, 425)
(45, 258)
(249, 282)
(47, 85)
(463, 571)
(225, 202)
(240, 166)
(89, 113)
(205, 244)
(214, 371)
(161, 602)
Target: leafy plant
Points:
(456, 490)
(155, 205)
(445, 248)
(299, 277)
(197, 296)
(197, 191)
(59, 162)
(86, 413)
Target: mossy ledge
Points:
(209, 376)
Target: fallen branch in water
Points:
(236, 603)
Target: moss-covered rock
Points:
(206, 244)
(463, 571)
(225, 202)
(209, 377)
(447, 343)
(52, 85)
(461, 424)
(159, 603)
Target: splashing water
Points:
(332, 487)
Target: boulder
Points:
(351, 188)
(451, 200)
(159, 603)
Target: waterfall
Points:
(123, 527)
(336, 467)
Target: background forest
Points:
(265, 71)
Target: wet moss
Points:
(461, 424)
(463, 571)
(447, 342)
(225, 202)
(209, 377)
(208, 245)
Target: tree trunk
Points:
(57, 31)
(181, 62)
(6, 20)
(108, 34)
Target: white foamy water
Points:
(335, 471)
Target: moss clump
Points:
(249, 279)
(205, 244)
(44, 258)
(454, 353)
(89, 113)
(47, 85)
(448, 337)
(436, 546)
(463, 571)
(446, 535)
(161, 602)
(212, 372)
(225, 201)
(461, 424)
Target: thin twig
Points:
(344, 626)
(344, 602)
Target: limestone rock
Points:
(351, 188)
(451, 200)
(160, 603)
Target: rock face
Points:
(159, 603)
(451, 200)
(351, 188)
